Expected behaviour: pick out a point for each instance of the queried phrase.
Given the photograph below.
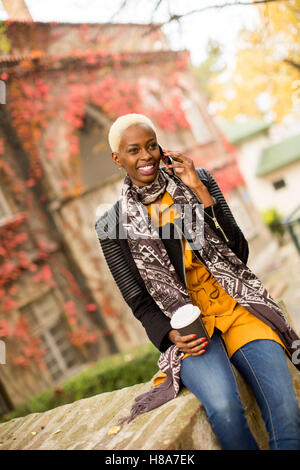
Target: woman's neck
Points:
(158, 200)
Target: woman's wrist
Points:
(202, 193)
(172, 335)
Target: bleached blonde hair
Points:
(121, 124)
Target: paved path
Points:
(281, 276)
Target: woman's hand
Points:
(184, 169)
(188, 344)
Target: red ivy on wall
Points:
(39, 91)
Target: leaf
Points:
(30, 182)
(70, 307)
(114, 430)
(91, 307)
(57, 431)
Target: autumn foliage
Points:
(40, 90)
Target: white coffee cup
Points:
(187, 320)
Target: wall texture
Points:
(89, 424)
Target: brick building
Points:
(65, 83)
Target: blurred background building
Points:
(64, 85)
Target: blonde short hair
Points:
(121, 124)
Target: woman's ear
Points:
(115, 158)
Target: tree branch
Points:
(122, 6)
(224, 5)
(155, 9)
(177, 17)
(16, 10)
(292, 63)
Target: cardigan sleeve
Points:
(237, 241)
(144, 308)
(155, 322)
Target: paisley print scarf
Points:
(163, 283)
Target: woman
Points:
(163, 258)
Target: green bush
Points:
(112, 373)
(273, 220)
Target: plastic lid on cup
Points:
(184, 316)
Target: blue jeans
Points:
(263, 365)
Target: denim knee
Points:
(228, 411)
(230, 425)
(287, 422)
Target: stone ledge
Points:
(180, 424)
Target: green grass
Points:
(112, 373)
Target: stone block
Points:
(180, 424)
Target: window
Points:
(279, 184)
(198, 125)
(3, 406)
(4, 207)
(242, 217)
(46, 320)
(95, 153)
(5, 403)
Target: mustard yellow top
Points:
(218, 309)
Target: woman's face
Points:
(139, 154)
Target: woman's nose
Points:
(146, 154)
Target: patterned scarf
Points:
(164, 284)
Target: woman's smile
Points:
(147, 169)
(139, 154)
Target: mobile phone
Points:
(166, 159)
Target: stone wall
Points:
(90, 424)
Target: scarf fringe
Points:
(150, 400)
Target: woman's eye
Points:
(134, 150)
(153, 146)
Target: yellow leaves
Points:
(281, 16)
(261, 67)
(26, 64)
(77, 189)
(114, 430)
(36, 54)
(296, 94)
(57, 431)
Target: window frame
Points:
(4, 206)
(48, 339)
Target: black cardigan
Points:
(126, 275)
